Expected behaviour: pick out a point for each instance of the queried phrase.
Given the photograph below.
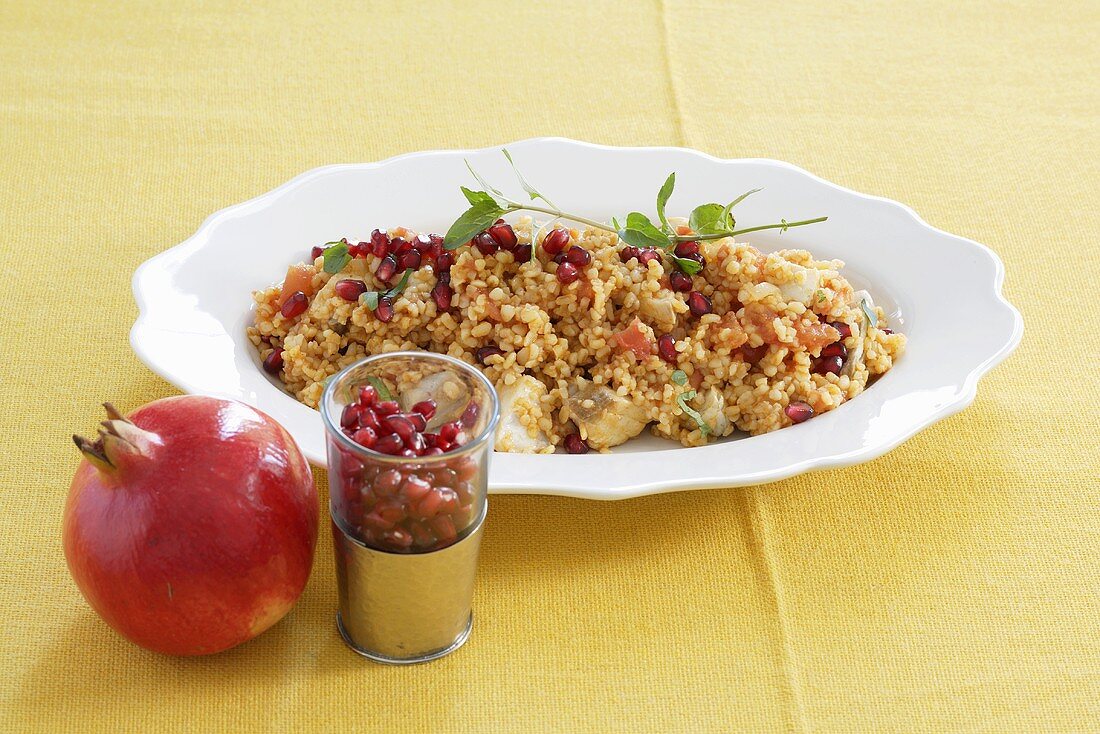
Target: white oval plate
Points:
(943, 291)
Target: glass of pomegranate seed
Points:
(409, 436)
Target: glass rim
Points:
(333, 429)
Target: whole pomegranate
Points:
(190, 526)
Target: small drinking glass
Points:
(409, 438)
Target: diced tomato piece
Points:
(298, 278)
(634, 339)
(813, 335)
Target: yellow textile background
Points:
(952, 585)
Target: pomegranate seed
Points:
(350, 290)
(448, 431)
(415, 488)
(386, 269)
(469, 416)
(422, 536)
(399, 246)
(422, 243)
(555, 241)
(418, 421)
(365, 437)
(416, 443)
(629, 253)
(647, 255)
(828, 366)
(391, 444)
(350, 417)
(483, 353)
(843, 328)
(687, 249)
(384, 310)
(444, 528)
(567, 273)
(699, 304)
(368, 395)
(410, 259)
(437, 239)
(442, 295)
(425, 408)
(574, 444)
(273, 362)
(294, 306)
(430, 504)
(523, 253)
(465, 469)
(368, 418)
(432, 451)
(835, 349)
(887, 331)
(666, 347)
(485, 243)
(380, 243)
(465, 492)
(398, 538)
(578, 256)
(375, 520)
(387, 407)
(559, 258)
(679, 282)
(444, 261)
(449, 499)
(387, 482)
(799, 411)
(316, 252)
(753, 355)
(504, 235)
(444, 445)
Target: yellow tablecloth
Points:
(952, 585)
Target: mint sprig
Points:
(708, 221)
(370, 298)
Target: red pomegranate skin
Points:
(202, 542)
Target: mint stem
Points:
(515, 206)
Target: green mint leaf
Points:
(868, 312)
(477, 197)
(640, 232)
(709, 219)
(682, 400)
(726, 218)
(662, 200)
(615, 223)
(523, 182)
(820, 296)
(383, 391)
(370, 299)
(679, 377)
(336, 257)
(397, 289)
(688, 266)
(477, 218)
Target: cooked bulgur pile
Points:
(753, 342)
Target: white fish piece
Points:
(603, 418)
(450, 399)
(803, 287)
(859, 330)
(713, 404)
(661, 311)
(521, 397)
